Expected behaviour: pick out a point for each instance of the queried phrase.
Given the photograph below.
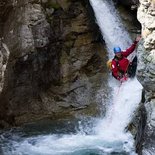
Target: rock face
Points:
(138, 124)
(51, 58)
(128, 3)
(146, 69)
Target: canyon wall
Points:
(51, 62)
(146, 70)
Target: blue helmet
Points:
(117, 50)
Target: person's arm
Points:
(132, 47)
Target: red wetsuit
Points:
(120, 65)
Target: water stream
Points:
(107, 135)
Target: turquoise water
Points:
(63, 137)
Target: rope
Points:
(113, 107)
(118, 91)
(112, 110)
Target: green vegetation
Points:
(53, 5)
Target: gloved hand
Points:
(124, 78)
(138, 38)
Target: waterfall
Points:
(110, 24)
(109, 135)
(125, 97)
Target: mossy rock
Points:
(53, 4)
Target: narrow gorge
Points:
(53, 73)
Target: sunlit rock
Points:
(146, 68)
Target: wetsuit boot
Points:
(132, 68)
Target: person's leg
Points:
(132, 68)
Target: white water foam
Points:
(126, 98)
(69, 145)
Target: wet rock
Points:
(130, 21)
(146, 69)
(55, 67)
(128, 2)
(138, 125)
(132, 4)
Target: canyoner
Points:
(121, 67)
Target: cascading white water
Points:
(109, 135)
(110, 25)
(126, 96)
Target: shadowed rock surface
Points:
(52, 58)
(132, 4)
